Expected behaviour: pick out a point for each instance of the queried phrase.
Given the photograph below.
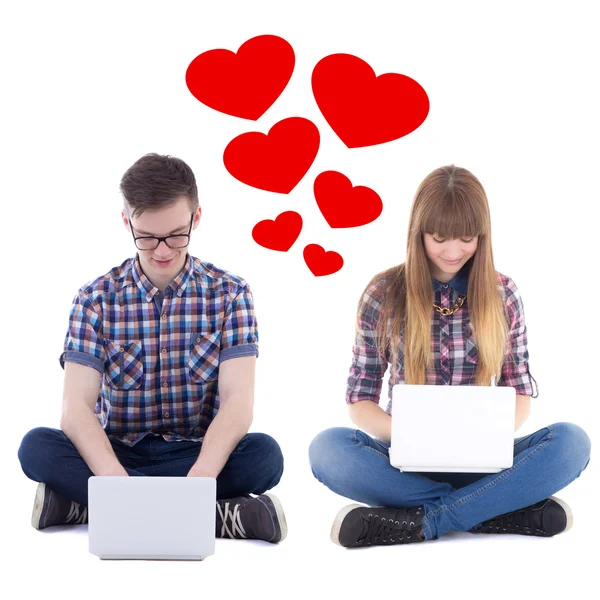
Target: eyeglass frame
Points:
(162, 239)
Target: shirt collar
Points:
(177, 286)
(180, 282)
(460, 282)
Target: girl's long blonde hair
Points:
(452, 203)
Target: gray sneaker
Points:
(247, 517)
(51, 508)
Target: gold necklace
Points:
(456, 306)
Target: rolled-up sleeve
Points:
(239, 336)
(368, 367)
(515, 369)
(84, 342)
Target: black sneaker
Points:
(51, 508)
(545, 519)
(357, 525)
(247, 517)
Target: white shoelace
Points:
(77, 515)
(236, 521)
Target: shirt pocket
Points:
(398, 376)
(203, 363)
(470, 349)
(125, 367)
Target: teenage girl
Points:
(444, 317)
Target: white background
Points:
(90, 87)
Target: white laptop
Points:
(452, 428)
(151, 518)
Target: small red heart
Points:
(363, 109)
(279, 234)
(343, 205)
(320, 262)
(275, 162)
(245, 84)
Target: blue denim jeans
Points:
(254, 466)
(353, 464)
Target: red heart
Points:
(275, 162)
(321, 262)
(279, 234)
(363, 109)
(244, 84)
(343, 205)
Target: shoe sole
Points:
(567, 510)
(38, 505)
(280, 516)
(339, 519)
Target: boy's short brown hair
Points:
(155, 181)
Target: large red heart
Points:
(343, 205)
(244, 84)
(363, 109)
(320, 262)
(279, 234)
(275, 162)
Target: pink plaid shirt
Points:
(454, 351)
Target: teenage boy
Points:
(159, 363)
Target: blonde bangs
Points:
(453, 216)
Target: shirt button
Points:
(166, 415)
(121, 349)
(165, 384)
(164, 350)
(164, 316)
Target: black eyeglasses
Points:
(150, 242)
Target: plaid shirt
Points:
(158, 353)
(454, 351)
